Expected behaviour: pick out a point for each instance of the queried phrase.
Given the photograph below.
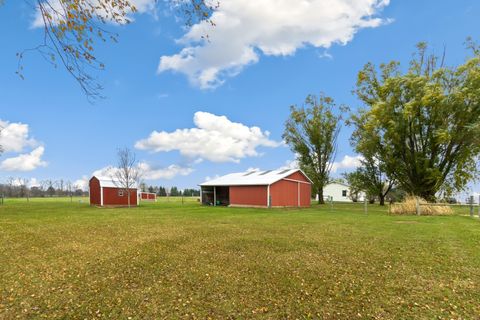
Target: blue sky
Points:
(257, 65)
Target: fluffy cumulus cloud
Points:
(15, 136)
(25, 162)
(21, 151)
(170, 172)
(81, 183)
(347, 163)
(215, 138)
(245, 29)
(56, 9)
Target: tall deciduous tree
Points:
(312, 132)
(127, 174)
(371, 179)
(72, 29)
(424, 124)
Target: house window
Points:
(344, 193)
(120, 193)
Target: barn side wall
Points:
(305, 195)
(94, 187)
(297, 176)
(286, 193)
(111, 197)
(248, 196)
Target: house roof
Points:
(339, 183)
(251, 178)
(107, 182)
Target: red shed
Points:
(272, 188)
(148, 196)
(105, 192)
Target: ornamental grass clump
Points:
(409, 207)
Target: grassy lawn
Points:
(62, 259)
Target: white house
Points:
(339, 192)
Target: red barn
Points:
(272, 188)
(148, 196)
(105, 192)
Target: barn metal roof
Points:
(251, 178)
(107, 182)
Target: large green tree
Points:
(423, 125)
(311, 132)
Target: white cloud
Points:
(215, 138)
(25, 162)
(32, 182)
(348, 162)
(81, 183)
(291, 164)
(56, 11)
(208, 178)
(14, 137)
(245, 29)
(170, 172)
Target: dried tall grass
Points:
(409, 207)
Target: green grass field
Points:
(165, 260)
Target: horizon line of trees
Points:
(20, 188)
(173, 191)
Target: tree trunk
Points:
(382, 199)
(429, 196)
(320, 196)
(128, 197)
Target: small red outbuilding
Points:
(148, 196)
(272, 188)
(106, 192)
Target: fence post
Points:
(417, 206)
(471, 206)
(365, 205)
(479, 206)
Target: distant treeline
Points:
(19, 188)
(172, 192)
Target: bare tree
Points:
(10, 182)
(49, 187)
(60, 186)
(127, 174)
(24, 188)
(71, 188)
